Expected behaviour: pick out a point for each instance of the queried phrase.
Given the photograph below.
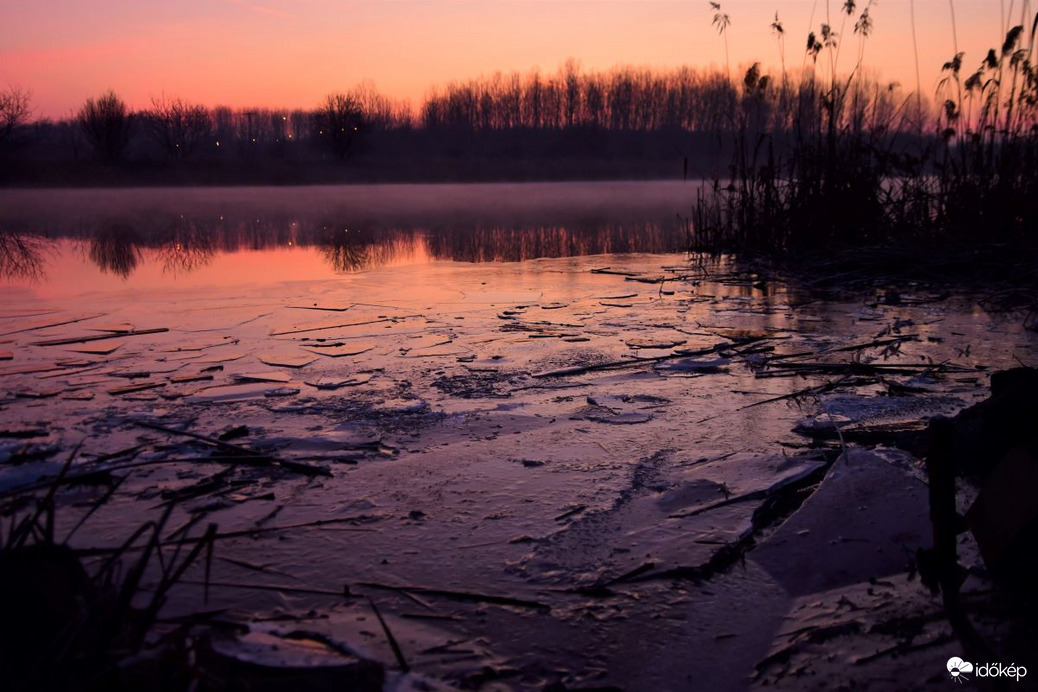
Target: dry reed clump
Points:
(826, 161)
(72, 624)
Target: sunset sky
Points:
(289, 53)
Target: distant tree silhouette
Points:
(338, 121)
(377, 111)
(15, 110)
(177, 126)
(622, 100)
(106, 122)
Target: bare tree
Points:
(376, 108)
(177, 126)
(15, 111)
(338, 121)
(106, 122)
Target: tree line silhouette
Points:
(570, 123)
(622, 99)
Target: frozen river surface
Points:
(546, 460)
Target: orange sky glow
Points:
(290, 53)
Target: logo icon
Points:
(957, 668)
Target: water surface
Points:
(58, 240)
(511, 399)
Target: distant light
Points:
(218, 144)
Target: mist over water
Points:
(388, 205)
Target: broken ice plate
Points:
(99, 349)
(285, 360)
(269, 376)
(340, 351)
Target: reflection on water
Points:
(21, 256)
(125, 235)
(518, 244)
(349, 250)
(116, 249)
(182, 245)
